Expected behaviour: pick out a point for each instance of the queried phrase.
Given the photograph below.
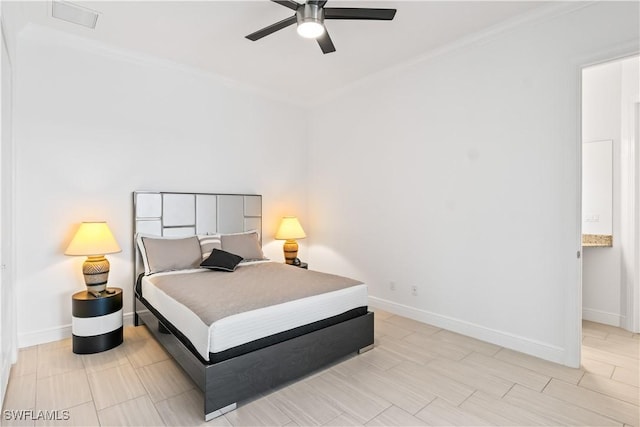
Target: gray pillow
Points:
(172, 254)
(246, 245)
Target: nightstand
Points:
(96, 324)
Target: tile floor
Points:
(416, 375)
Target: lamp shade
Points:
(290, 229)
(93, 238)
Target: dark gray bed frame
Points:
(231, 381)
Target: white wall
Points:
(8, 328)
(93, 124)
(459, 174)
(597, 187)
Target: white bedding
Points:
(245, 327)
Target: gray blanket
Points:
(214, 295)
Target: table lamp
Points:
(290, 230)
(94, 240)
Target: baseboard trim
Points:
(605, 317)
(519, 343)
(28, 339)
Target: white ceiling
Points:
(209, 35)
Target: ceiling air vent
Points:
(75, 14)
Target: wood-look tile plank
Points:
(381, 358)
(632, 341)
(354, 366)
(302, 404)
(66, 342)
(442, 413)
(432, 382)
(593, 327)
(406, 351)
(561, 411)
(187, 409)
(395, 416)
(401, 394)
(380, 313)
(610, 407)
(588, 331)
(597, 367)
(344, 420)
(507, 371)
(469, 343)
(164, 379)
(471, 377)
(259, 412)
(436, 348)
(115, 385)
(21, 392)
(105, 359)
(83, 415)
(412, 325)
(56, 359)
(543, 367)
(627, 375)
(18, 418)
(613, 388)
(386, 329)
(628, 347)
(138, 412)
(63, 391)
(603, 355)
(501, 413)
(27, 362)
(144, 351)
(360, 404)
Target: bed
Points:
(237, 333)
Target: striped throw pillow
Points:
(208, 243)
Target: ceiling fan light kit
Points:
(310, 18)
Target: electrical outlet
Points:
(414, 290)
(392, 286)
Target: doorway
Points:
(610, 188)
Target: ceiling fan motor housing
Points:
(310, 13)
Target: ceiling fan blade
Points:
(359, 13)
(272, 28)
(287, 3)
(325, 42)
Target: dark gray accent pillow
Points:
(221, 260)
(246, 245)
(172, 254)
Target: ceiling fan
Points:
(310, 18)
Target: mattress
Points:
(245, 327)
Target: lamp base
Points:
(96, 272)
(290, 251)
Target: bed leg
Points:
(136, 320)
(219, 412)
(365, 349)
